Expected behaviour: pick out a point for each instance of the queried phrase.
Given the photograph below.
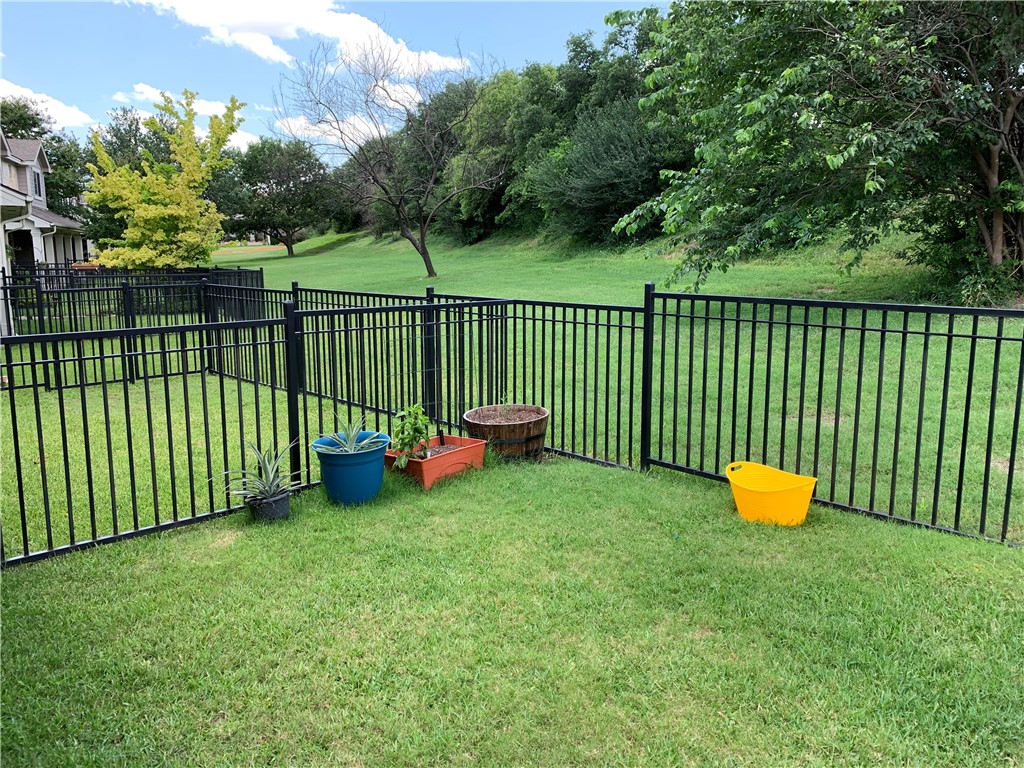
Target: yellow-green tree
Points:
(168, 224)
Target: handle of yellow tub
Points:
(736, 465)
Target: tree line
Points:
(737, 129)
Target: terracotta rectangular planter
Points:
(426, 472)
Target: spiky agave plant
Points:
(266, 480)
(348, 440)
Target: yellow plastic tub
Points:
(768, 495)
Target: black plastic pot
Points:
(275, 508)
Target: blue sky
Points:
(82, 59)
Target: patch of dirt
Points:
(512, 414)
(1003, 465)
(226, 539)
(437, 450)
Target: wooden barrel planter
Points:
(515, 431)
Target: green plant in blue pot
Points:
(352, 462)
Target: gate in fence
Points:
(905, 412)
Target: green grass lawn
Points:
(538, 269)
(553, 614)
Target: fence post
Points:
(40, 309)
(128, 307)
(647, 378)
(431, 363)
(293, 345)
(298, 325)
(41, 328)
(209, 316)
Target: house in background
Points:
(32, 233)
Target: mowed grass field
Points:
(545, 614)
(538, 269)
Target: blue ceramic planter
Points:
(352, 478)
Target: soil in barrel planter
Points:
(514, 431)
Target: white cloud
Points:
(256, 42)
(255, 26)
(141, 92)
(263, 108)
(241, 139)
(393, 95)
(350, 133)
(207, 108)
(64, 115)
(301, 128)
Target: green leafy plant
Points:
(266, 480)
(412, 435)
(348, 440)
(506, 402)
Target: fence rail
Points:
(57, 276)
(905, 412)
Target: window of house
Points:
(37, 183)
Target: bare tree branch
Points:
(395, 129)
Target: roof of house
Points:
(55, 218)
(28, 150)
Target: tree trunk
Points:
(289, 245)
(420, 244)
(425, 255)
(995, 256)
(996, 236)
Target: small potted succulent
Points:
(266, 487)
(513, 430)
(427, 459)
(352, 462)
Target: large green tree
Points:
(168, 223)
(229, 193)
(128, 140)
(869, 115)
(527, 121)
(22, 118)
(69, 174)
(607, 165)
(287, 186)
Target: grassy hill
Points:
(543, 269)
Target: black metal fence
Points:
(133, 433)
(905, 412)
(57, 299)
(900, 411)
(59, 276)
